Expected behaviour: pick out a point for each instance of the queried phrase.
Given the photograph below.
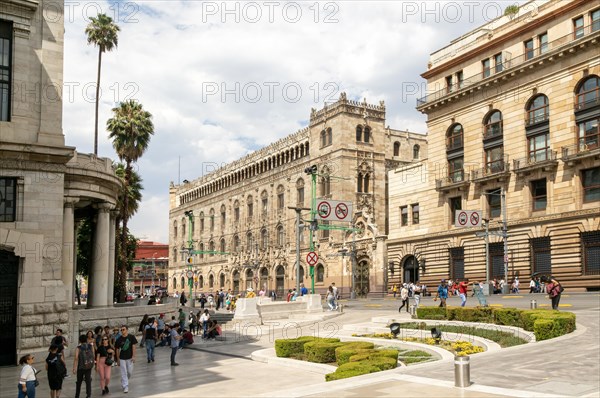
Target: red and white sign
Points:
(334, 210)
(467, 218)
(312, 258)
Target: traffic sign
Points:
(467, 218)
(334, 210)
(190, 274)
(312, 258)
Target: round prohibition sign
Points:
(341, 211)
(474, 218)
(312, 258)
(190, 274)
(324, 209)
(462, 218)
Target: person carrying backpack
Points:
(83, 364)
(554, 290)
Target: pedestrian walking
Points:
(463, 286)
(442, 293)
(182, 299)
(330, 299)
(395, 290)
(27, 379)
(204, 321)
(150, 335)
(175, 338)
(104, 360)
(141, 328)
(126, 346)
(83, 363)
(57, 370)
(59, 340)
(335, 296)
(404, 298)
(554, 290)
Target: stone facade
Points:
(242, 208)
(45, 187)
(514, 128)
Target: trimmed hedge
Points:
(562, 322)
(370, 354)
(351, 369)
(381, 362)
(343, 353)
(321, 351)
(284, 348)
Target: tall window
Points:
(222, 245)
(362, 183)
(449, 84)
(249, 242)
(325, 232)
(493, 125)
(326, 137)
(541, 260)
(498, 62)
(455, 204)
(529, 52)
(280, 238)
(404, 216)
(320, 273)
(494, 160)
(543, 42)
(236, 211)
(250, 207)
(323, 138)
(359, 131)
(590, 180)
(588, 93)
(590, 242)
(212, 219)
(300, 195)
(396, 148)
(485, 68)
(6, 35)
(456, 172)
(494, 203)
(539, 148)
(174, 222)
(183, 229)
(578, 29)
(459, 79)
(595, 17)
(211, 247)
(264, 239)
(223, 216)
(457, 263)
(264, 203)
(454, 137)
(236, 243)
(539, 197)
(416, 150)
(367, 134)
(496, 260)
(325, 185)
(588, 134)
(415, 213)
(538, 110)
(329, 136)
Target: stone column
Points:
(98, 289)
(111, 259)
(68, 249)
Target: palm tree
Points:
(130, 130)
(101, 32)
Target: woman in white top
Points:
(27, 378)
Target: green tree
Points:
(130, 129)
(103, 33)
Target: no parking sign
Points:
(467, 218)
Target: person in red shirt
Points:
(462, 292)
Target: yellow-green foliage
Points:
(285, 348)
(351, 369)
(321, 352)
(343, 353)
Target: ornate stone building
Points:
(45, 187)
(242, 208)
(513, 107)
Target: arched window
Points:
(454, 137)
(300, 191)
(250, 207)
(175, 229)
(222, 281)
(201, 281)
(280, 198)
(222, 245)
(366, 183)
(588, 93)
(396, 148)
(416, 150)
(249, 241)
(236, 243)
(280, 239)
(174, 283)
(201, 246)
(211, 247)
(264, 239)
(236, 211)
(201, 216)
(329, 136)
(182, 282)
(264, 196)
(323, 138)
(537, 110)
(325, 185)
(492, 125)
(320, 273)
(183, 229)
(212, 219)
(211, 281)
(359, 131)
(174, 254)
(367, 134)
(222, 216)
(362, 182)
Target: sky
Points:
(223, 79)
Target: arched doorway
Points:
(361, 281)
(222, 281)
(301, 274)
(410, 270)
(201, 282)
(280, 281)
(236, 282)
(211, 281)
(264, 278)
(9, 266)
(249, 279)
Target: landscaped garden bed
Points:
(458, 348)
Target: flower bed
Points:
(504, 339)
(459, 348)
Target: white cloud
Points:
(170, 52)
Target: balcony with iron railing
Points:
(455, 179)
(509, 66)
(498, 169)
(587, 99)
(492, 131)
(545, 159)
(454, 142)
(537, 115)
(586, 147)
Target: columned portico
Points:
(68, 248)
(111, 259)
(99, 286)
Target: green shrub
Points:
(431, 313)
(545, 329)
(528, 317)
(381, 362)
(371, 354)
(351, 369)
(414, 356)
(343, 353)
(508, 317)
(286, 348)
(321, 351)
(560, 323)
(483, 314)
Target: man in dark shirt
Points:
(126, 345)
(59, 340)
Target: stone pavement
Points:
(567, 366)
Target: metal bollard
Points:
(462, 371)
(341, 308)
(412, 309)
(533, 304)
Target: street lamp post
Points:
(504, 237)
(153, 272)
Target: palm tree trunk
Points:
(124, 233)
(97, 101)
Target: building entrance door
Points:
(411, 270)
(279, 282)
(9, 268)
(361, 283)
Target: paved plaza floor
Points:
(567, 366)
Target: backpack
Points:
(150, 333)
(86, 357)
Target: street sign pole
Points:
(313, 205)
(486, 285)
(505, 289)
